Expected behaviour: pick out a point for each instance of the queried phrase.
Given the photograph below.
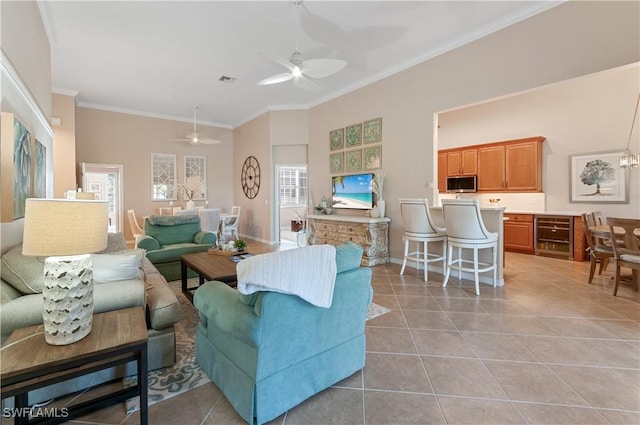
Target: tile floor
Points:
(545, 349)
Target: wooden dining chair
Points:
(599, 252)
(626, 254)
(136, 230)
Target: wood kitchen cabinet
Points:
(509, 166)
(518, 233)
(491, 168)
(512, 166)
(442, 172)
(462, 162)
(524, 165)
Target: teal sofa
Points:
(166, 238)
(269, 351)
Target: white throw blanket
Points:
(308, 272)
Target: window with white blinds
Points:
(293, 186)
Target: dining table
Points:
(603, 231)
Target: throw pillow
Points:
(23, 272)
(115, 243)
(114, 267)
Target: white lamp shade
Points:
(64, 226)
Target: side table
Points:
(27, 363)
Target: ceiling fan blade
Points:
(179, 140)
(321, 68)
(209, 141)
(307, 84)
(275, 79)
(279, 60)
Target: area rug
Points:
(185, 374)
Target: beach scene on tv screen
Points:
(352, 191)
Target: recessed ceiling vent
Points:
(226, 79)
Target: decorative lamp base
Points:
(68, 299)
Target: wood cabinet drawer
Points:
(350, 229)
(372, 236)
(525, 218)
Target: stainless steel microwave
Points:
(462, 184)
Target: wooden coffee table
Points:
(27, 363)
(216, 267)
(208, 267)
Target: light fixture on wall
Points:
(70, 230)
(631, 160)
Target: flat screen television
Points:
(353, 191)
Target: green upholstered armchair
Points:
(166, 238)
(270, 351)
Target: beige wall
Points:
(570, 40)
(25, 43)
(252, 139)
(26, 49)
(582, 115)
(289, 127)
(64, 145)
(116, 138)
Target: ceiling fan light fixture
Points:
(194, 138)
(301, 69)
(296, 59)
(628, 159)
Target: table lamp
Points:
(69, 230)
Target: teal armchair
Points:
(269, 351)
(166, 238)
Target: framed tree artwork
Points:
(598, 178)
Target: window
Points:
(163, 176)
(293, 186)
(195, 171)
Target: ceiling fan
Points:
(302, 72)
(194, 138)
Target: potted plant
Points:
(240, 244)
(191, 190)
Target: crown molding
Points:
(49, 24)
(100, 107)
(12, 75)
(64, 92)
